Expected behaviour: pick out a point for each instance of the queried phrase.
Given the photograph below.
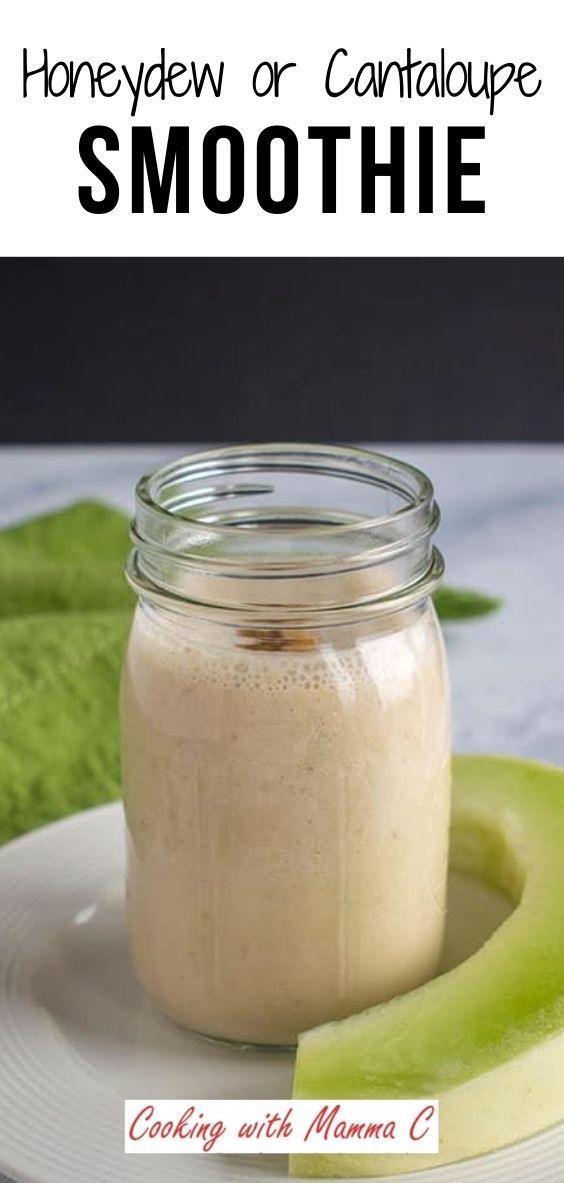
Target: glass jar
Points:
(286, 738)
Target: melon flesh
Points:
(486, 1038)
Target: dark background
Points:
(166, 350)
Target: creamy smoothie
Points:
(287, 805)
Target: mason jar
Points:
(286, 738)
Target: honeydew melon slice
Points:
(486, 1038)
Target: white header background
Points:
(521, 158)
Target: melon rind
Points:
(486, 1038)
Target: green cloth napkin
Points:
(64, 616)
(65, 610)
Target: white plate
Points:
(77, 1035)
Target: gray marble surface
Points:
(502, 532)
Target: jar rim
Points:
(190, 544)
(346, 461)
